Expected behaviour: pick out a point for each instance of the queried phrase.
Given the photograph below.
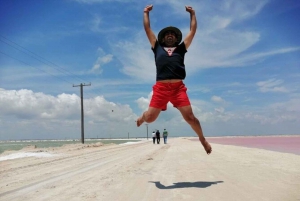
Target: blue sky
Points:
(243, 67)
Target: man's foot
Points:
(139, 121)
(206, 146)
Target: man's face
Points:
(170, 38)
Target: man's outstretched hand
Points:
(148, 8)
(189, 9)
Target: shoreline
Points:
(141, 138)
(278, 143)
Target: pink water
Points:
(287, 144)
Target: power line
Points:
(39, 58)
(32, 66)
(35, 67)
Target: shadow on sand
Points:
(198, 184)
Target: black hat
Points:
(178, 33)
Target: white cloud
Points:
(243, 9)
(107, 58)
(220, 110)
(137, 57)
(60, 116)
(100, 26)
(143, 103)
(25, 104)
(271, 85)
(102, 59)
(217, 99)
(95, 24)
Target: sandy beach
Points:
(179, 170)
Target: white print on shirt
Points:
(170, 50)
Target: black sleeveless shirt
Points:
(169, 66)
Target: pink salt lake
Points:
(286, 144)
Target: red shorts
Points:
(169, 92)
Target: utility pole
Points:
(147, 130)
(82, 117)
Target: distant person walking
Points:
(153, 136)
(158, 136)
(165, 135)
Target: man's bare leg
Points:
(149, 116)
(190, 118)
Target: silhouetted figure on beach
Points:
(153, 136)
(165, 135)
(158, 136)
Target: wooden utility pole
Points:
(147, 130)
(82, 116)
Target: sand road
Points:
(179, 170)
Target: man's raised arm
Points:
(193, 27)
(151, 36)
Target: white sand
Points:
(180, 170)
(24, 154)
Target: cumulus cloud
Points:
(26, 104)
(143, 103)
(60, 115)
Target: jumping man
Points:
(169, 54)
